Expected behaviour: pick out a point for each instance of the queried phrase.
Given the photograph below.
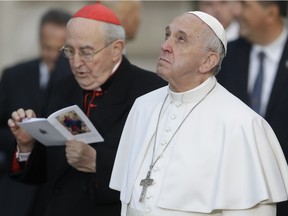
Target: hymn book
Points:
(69, 123)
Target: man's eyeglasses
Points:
(69, 52)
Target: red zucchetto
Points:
(98, 12)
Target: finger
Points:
(15, 116)
(69, 142)
(11, 123)
(72, 142)
(72, 157)
(30, 113)
(69, 159)
(70, 148)
(21, 113)
(74, 145)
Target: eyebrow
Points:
(81, 48)
(182, 32)
(179, 31)
(86, 47)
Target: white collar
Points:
(194, 94)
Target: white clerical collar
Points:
(194, 94)
(116, 66)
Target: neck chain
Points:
(145, 183)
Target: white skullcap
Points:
(214, 24)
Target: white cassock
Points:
(223, 160)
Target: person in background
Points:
(224, 11)
(129, 14)
(27, 85)
(192, 148)
(75, 177)
(256, 67)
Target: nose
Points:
(166, 46)
(76, 61)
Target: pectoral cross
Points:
(145, 183)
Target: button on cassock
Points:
(168, 129)
(173, 117)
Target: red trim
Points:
(15, 166)
(88, 106)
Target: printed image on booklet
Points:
(69, 123)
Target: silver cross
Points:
(145, 183)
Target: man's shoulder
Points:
(140, 73)
(69, 82)
(20, 67)
(24, 64)
(153, 96)
(146, 77)
(233, 109)
(139, 81)
(236, 61)
(238, 45)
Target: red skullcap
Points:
(98, 12)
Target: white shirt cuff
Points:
(21, 157)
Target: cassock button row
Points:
(168, 129)
(177, 104)
(163, 142)
(173, 117)
(148, 197)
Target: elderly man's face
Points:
(84, 36)
(183, 52)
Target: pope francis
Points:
(192, 148)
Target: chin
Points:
(85, 86)
(160, 69)
(161, 74)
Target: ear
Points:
(272, 12)
(117, 49)
(210, 61)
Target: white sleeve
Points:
(21, 157)
(258, 210)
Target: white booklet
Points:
(69, 123)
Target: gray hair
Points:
(213, 43)
(113, 32)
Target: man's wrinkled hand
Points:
(81, 156)
(24, 140)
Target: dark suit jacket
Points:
(19, 88)
(67, 191)
(234, 76)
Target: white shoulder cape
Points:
(227, 156)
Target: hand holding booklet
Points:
(69, 123)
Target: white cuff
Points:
(21, 157)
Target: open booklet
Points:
(69, 123)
